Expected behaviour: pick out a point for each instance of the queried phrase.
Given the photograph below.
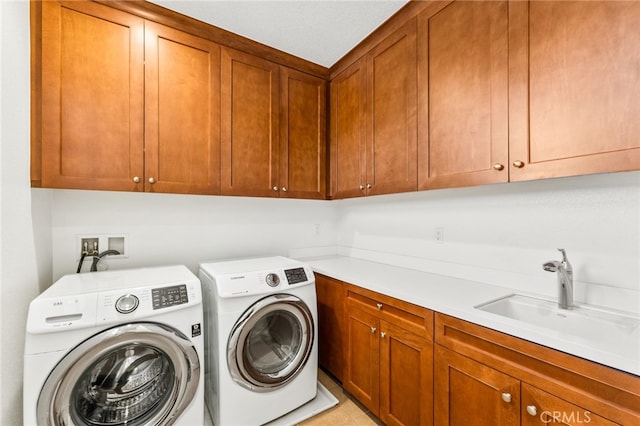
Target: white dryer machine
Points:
(261, 350)
(116, 348)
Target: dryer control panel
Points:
(237, 278)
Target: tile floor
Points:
(348, 412)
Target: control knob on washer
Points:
(273, 280)
(127, 303)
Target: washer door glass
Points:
(136, 374)
(270, 343)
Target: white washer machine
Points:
(261, 349)
(115, 348)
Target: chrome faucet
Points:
(565, 279)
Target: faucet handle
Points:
(565, 261)
(564, 254)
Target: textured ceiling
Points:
(318, 31)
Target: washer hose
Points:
(84, 254)
(98, 257)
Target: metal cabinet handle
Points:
(361, 187)
(136, 179)
(368, 186)
(373, 330)
(275, 188)
(532, 410)
(379, 306)
(284, 189)
(506, 397)
(518, 164)
(498, 166)
(382, 334)
(152, 180)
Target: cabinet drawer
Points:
(539, 407)
(411, 317)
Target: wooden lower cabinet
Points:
(468, 393)
(484, 377)
(411, 366)
(389, 358)
(331, 330)
(362, 367)
(406, 377)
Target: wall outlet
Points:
(438, 235)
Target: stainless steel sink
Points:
(602, 329)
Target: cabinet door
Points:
(331, 329)
(542, 408)
(182, 112)
(362, 369)
(303, 111)
(249, 123)
(463, 106)
(347, 135)
(391, 149)
(468, 393)
(406, 377)
(574, 88)
(91, 110)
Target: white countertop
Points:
(458, 297)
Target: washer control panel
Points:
(169, 296)
(295, 276)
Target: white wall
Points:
(502, 234)
(186, 229)
(25, 214)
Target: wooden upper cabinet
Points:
(347, 131)
(463, 94)
(391, 143)
(126, 104)
(89, 72)
(574, 88)
(182, 112)
(373, 138)
(250, 125)
(303, 111)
